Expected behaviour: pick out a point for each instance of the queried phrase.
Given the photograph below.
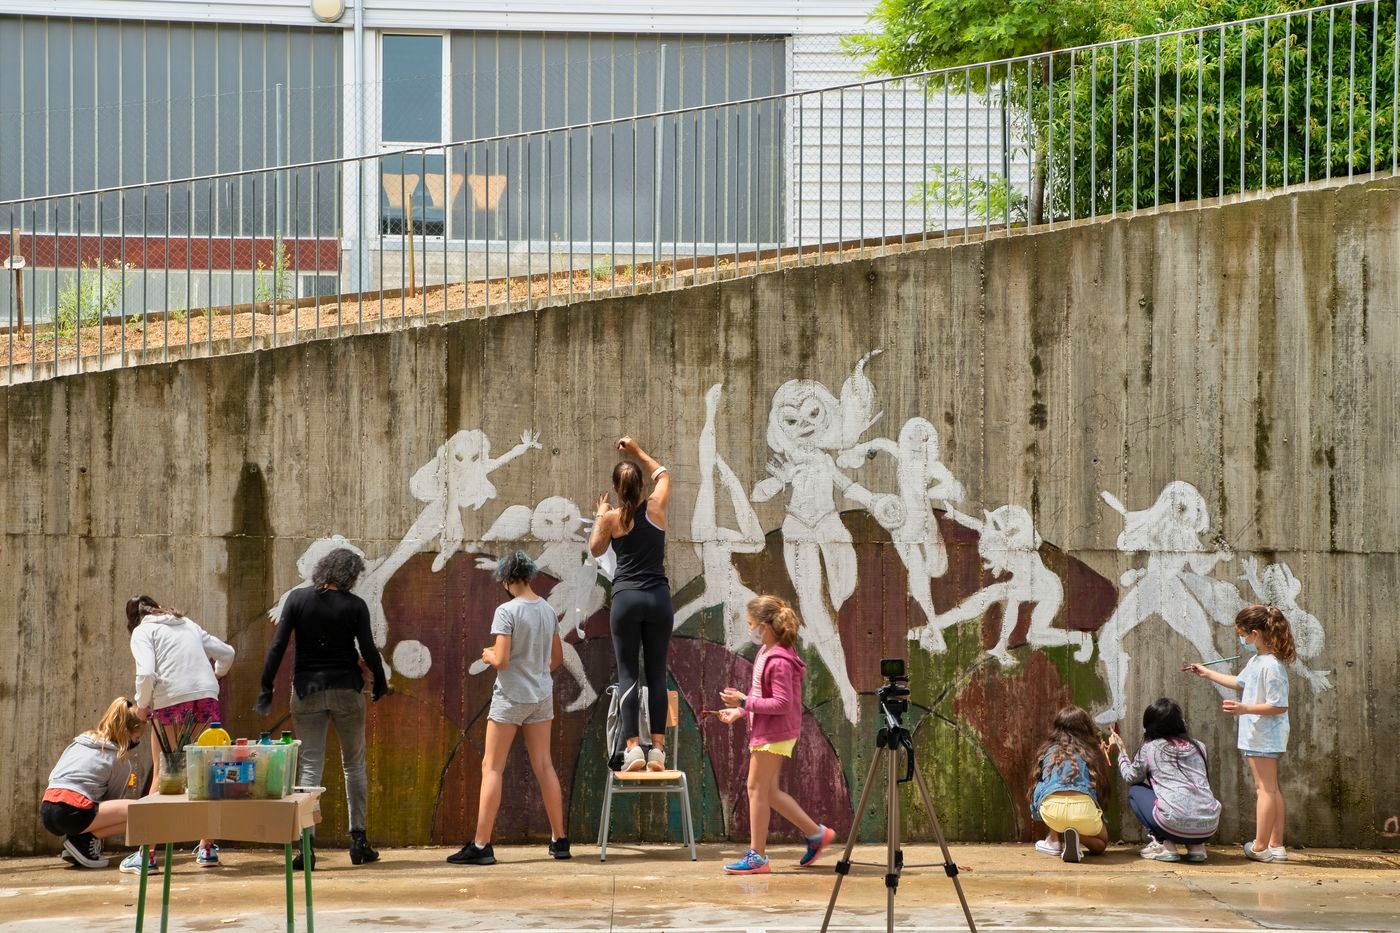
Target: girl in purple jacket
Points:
(773, 707)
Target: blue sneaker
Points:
(751, 864)
(207, 856)
(132, 863)
(817, 844)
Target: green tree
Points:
(1137, 123)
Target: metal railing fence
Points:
(229, 261)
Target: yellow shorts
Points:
(1072, 811)
(776, 748)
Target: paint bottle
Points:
(214, 735)
(286, 737)
(265, 738)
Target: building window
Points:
(411, 97)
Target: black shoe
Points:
(559, 848)
(1071, 852)
(299, 865)
(473, 854)
(360, 849)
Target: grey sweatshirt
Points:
(1176, 771)
(90, 766)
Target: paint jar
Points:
(172, 772)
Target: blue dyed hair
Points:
(516, 567)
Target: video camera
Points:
(894, 692)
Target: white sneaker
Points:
(1046, 847)
(1278, 853)
(634, 759)
(1266, 855)
(1160, 852)
(1196, 853)
(656, 759)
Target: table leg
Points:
(165, 889)
(287, 866)
(141, 891)
(306, 860)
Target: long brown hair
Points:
(770, 610)
(138, 607)
(1270, 620)
(627, 483)
(1072, 735)
(118, 725)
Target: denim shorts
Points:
(1248, 753)
(504, 710)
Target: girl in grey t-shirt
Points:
(525, 652)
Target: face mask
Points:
(757, 635)
(1247, 646)
(133, 743)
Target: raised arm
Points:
(661, 494)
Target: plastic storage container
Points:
(240, 772)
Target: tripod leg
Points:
(843, 865)
(894, 855)
(950, 867)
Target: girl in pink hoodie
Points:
(773, 707)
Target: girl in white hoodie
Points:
(174, 682)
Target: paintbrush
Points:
(1233, 657)
(159, 732)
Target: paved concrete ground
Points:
(1009, 887)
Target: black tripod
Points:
(892, 739)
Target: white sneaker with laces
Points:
(1046, 847)
(1257, 855)
(1278, 853)
(656, 759)
(634, 759)
(1160, 852)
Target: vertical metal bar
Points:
(882, 241)
(1049, 208)
(675, 201)
(1395, 97)
(1375, 31)
(1351, 99)
(232, 282)
(547, 229)
(491, 208)
(189, 272)
(1157, 123)
(145, 267)
(507, 298)
(923, 160)
(1244, 82)
(840, 174)
(568, 205)
(1220, 123)
(209, 269)
(612, 205)
(1176, 132)
(735, 214)
(165, 257)
(697, 221)
(903, 164)
(77, 214)
(316, 241)
(1093, 131)
(860, 186)
(1136, 112)
(528, 239)
(755, 147)
(1071, 137)
(1200, 106)
(1264, 111)
(1307, 105)
(967, 145)
(294, 209)
(821, 174)
(1287, 99)
(446, 220)
(715, 196)
(987, 209)
(1030, 138)
(121, 256)
(1006, 148)
(1327, 146)
(589, 199)
(1113, 142)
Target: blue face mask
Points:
(1247, 646)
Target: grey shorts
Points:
(507, 711)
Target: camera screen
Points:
(891, 667)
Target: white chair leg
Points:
(685, 814)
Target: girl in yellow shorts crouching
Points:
(1071, 773)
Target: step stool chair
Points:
(670, 781)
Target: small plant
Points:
(136, 320)
(176, 317)
(990, 198)
(603, 268)
(277, 285)
(88, 297)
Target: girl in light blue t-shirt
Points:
(1262, 711)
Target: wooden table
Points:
(165, 819)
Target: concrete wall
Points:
(1228, 376)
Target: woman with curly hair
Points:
(1070, 776)
(332, 631)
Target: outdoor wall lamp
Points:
(328, 11)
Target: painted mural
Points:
(1004, 625)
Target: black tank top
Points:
(641, 555)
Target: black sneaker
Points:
(85, 849)
(473, 854)
(299, 865)
(1071, 840)
(559, 848)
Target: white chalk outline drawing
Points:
(1173, 586)
(908, 516)
(716, 546)
(1277, 586)
(805, 423)
(1008, 543)
(456, 478)
(557, 523)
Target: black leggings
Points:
(641, 623)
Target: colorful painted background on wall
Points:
(1000, 626)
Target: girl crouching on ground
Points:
(86, 796)
(1070, 776)
(773, 707)
(526, 652)
(1170, 793)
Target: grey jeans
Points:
(310, 716)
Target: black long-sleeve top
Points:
(333, 633)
